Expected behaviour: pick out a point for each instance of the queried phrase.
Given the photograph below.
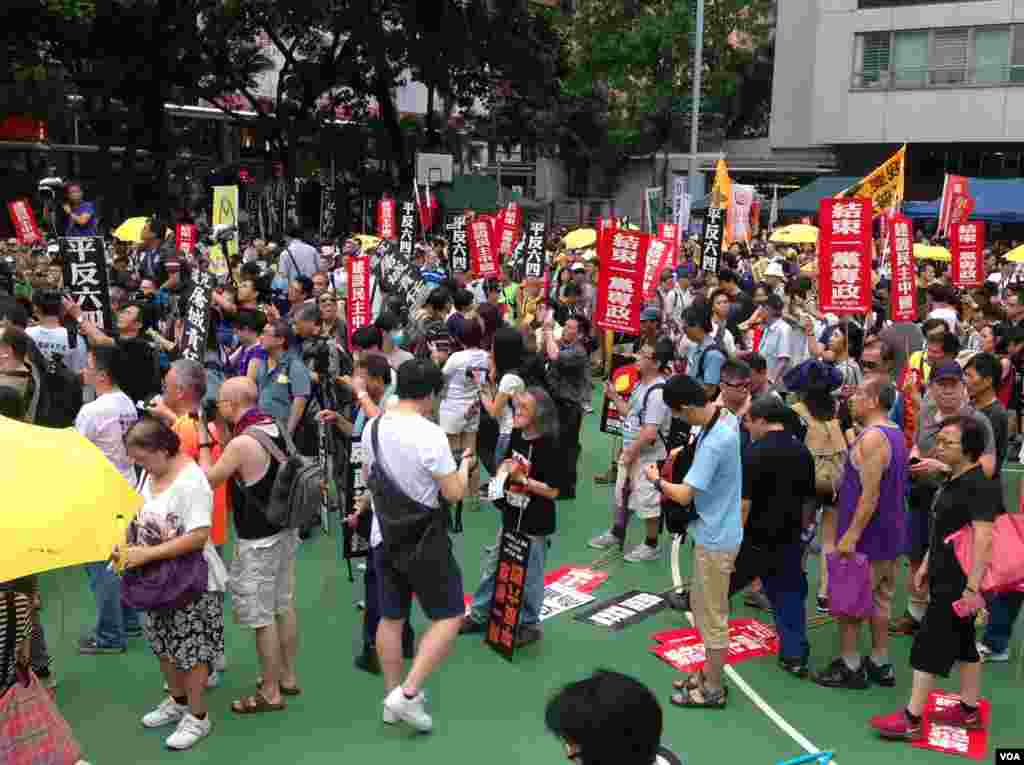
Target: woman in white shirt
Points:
(464, 373)
(175, 521)
(507, 356)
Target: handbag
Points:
(32, 730)
(849, 586)
(1005, 571)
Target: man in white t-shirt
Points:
(105, 422)
(414, 462)
(49, 336)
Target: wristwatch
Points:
(657, 485)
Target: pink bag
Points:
(32, 730)
(1005, 572)
(849, 586)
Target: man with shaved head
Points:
(263, 564)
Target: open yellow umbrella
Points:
(66, 503)
(795, 233)
(131, 230)
(932, 252)
(367, 241)
(1016, 255)
(580, 238)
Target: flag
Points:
(883, 185)
(953, 186)
(738, 216)
(773, 213)
(721, 198)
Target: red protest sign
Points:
(579, 578)
(358, 310)
(24, 221)
(620, 285)
(185, 237)
(684, 648)
(670, 233)
(387, 228)
(953, 739)
(507, 229)
(903, 300)
(660, 254)
(967, 245)
(482, 255)
(844, 255)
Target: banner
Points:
(507, 231)
(484, 262)
(253, 203)
(185, 237)
(509, 592)
(458, 250)
(536, 236)
(967, 246)
(883, 185)
(196, 316)
(684, 648)
(397, 273)
(652, 207)
(328, 209)
(358, 310)
(623, 610)
(711, 246)
(955, 739)
(903, 300)
(953, 186)
(24, 221)
(354, 544)
(407, 230)
(85, 277)
(620, 281)
(738, 216)
(386, 227)
(669, 232)
(225, 212)
(755, 216)
(844, 255)
(659, 257)
(680, 209)
(962, 207)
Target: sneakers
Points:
(605, 479)
(212, 681)
(880, 674)
(678, 601)
(642, 553)
(958, 716)
(822, 607)
(605, 541)
(897, 726)
(220, 664)
(905, 625)
(990, 656)
(168, 712)
(528, 633)
(411, 711)
(191, 730)
(471, 626)
(133, 632)
(838, 675)
(90, 647)
(795, 666)
(757, 600)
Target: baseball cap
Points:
(649, 314)
(947, 370)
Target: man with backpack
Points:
(61, 395)
(263, 564)
(705, 357)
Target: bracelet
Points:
(971, 590)
(206, 445)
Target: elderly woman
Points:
(531, 470)
(175, 521)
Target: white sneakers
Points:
(989, 656)
(190, 729)
(411, 711)
(603, 541)
(641, 553)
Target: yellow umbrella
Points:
(795, 233)
(66, 503)
(580, 238)
(367, 241)
(931, 252)
(131, 230)
(1016, 255)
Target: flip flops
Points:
(700, 698)
(254, 705)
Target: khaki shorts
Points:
(709, 595)
(262, 583)
(883, 586)
(644, 499)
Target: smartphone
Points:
(914, 460)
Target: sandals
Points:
(285, 690)
(692, 682)
(254, 705)
(700, 698)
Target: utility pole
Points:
(698, 65)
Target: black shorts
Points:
(440, 593)
(943, 639)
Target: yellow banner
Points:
(225, 211)
(884, 185)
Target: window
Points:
(949, 56)
(910, 59)
(991, 54)
(874, 59)
(1017, 57)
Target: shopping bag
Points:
(1005, 570)
(849, 585)
(32, 730)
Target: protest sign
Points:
(509, 591)
(328, 208)
(225, 212)
(85, 277)
(624, 377)
(659, 257)
(711, 246)
(397, 273)
(622, 610)
(358, 309)
(386, 226)
(684, 648)
(196, 315)
(844, 255)
(185, 237)
(903, 301)
(407, 230)
(507, 231)
(967, 246)
(620, 288)
(536, 236)
(953, 739)
(558, 599)
(581, 578)
(24, 220)
(354, 544)
(458, 248)
(484, 260)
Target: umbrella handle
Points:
(822, 758)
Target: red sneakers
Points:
(896, 726)
(959, 717)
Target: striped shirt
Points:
(19, 606)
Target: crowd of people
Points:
(802, 433)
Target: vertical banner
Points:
(509, 593)
(24, 221)
(386, 226)
(484, 262)
(354, 542)
(196, 315)
(738, 217)
(507, 231)
(252, 209)
(755, 216)
(604, 225)
(185, 237)
(903, 300)
(711, 246)
(963, 206)
(620, 284)
(225, 212)
(844, 255)
(357, 308)
(536, 236)
(85, 277)
(407, 230)
(659, 257)
(680, 209)
(967, 245)
(458, 248)
(328, 210)
(953, 186)
(652, 208)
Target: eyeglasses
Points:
(738, 385)
(869, 365)
(947, 442)
(324, 301)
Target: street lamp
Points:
(698, 57)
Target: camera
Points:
(51, 186)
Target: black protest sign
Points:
(509, 592)
(406, 228)
(458, 247)
(85, 276)
(196, 313)
(622, 610)
(354, 544)
(611, 420)
(253, 198)
(328, 209)
(711, 246)
(397, 274)
(536, 236)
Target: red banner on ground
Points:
(844, 255)
(903, 301)
(387, 228)
(953, 739)
(358, 309)
(579, 578)
(482, 256)
(507, 231)
(24, 220)
(620, 284)
(185, 237)
(967, 246)
(684, 648)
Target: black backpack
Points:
(61, 395)
(676, 516)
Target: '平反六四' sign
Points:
(711, 246)
(85, 277)
(458, 247)
(536, 236)
(844, 255)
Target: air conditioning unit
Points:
(435, 168)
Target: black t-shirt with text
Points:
(537, 518)
(778, 477)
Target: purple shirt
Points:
(884, 538)
(254, 351)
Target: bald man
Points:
(263, 566)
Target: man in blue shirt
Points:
(714, 485)
(81, 214)
(704, 359)
(775, 343)
(282, 379)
